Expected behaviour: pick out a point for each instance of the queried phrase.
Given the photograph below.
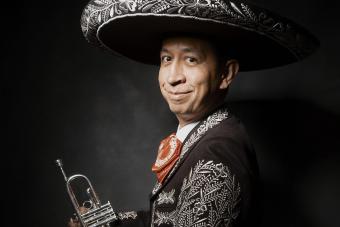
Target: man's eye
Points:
(165, 58)
(191, 60)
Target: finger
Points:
(75, 217)
(83, 210)
(73, 223)
(70, 223)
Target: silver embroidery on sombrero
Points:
(235, 13)
(209, 196)
(209, 123)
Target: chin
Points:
(178, 108)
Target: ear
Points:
(228, 73)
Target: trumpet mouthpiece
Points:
(59, 163)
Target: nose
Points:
(176, 74)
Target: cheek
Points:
(160, 77)
(199, 78)
(162, 74)
(205, 83)
(161, 81)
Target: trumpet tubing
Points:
(96, 214)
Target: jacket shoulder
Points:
(229, 143)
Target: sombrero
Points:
(258, 38)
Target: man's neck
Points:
(183, 132)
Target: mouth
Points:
(177, 95)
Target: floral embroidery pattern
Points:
(165, 218)
(234, 13)
(211, 121)
(208, 197)
(156, 188)
(199, 208)
(166, 197)
(127, 215)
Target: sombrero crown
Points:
(258, 38)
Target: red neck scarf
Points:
(168, 153)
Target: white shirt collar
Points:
(183, 132)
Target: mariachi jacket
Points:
(215, 182)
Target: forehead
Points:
(184, 43)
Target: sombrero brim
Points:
(259, 45)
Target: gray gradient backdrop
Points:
(104, 117)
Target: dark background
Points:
(104, 117)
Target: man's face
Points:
(188, 77)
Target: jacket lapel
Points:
(189, 143)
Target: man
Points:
(207, 172)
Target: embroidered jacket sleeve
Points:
(209, 196)
(132, 219)
(223, 185)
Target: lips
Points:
(177, 90)
(177, 94)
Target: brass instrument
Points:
(96, 213)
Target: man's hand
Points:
(74, 222)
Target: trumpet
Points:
(96, 213)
